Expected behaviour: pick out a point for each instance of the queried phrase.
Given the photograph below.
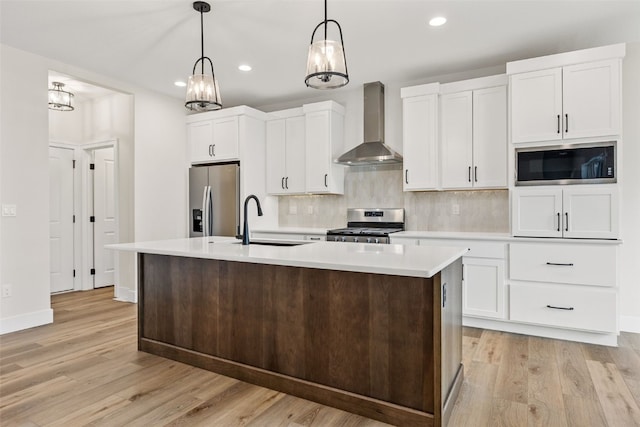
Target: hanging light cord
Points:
(202, 39)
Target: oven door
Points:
(575, 164)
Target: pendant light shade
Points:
(59, 99)
(203, 93)
(326, 64)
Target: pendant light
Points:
(59, 99)
(326, 65)
(203, 93)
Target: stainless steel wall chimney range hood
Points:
(373, 150)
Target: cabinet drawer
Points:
(563, 263)
(564, 306)
(477, 248)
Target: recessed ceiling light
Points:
(437, 21)
(244, 67)
(179, 83)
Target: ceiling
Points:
(152, 43)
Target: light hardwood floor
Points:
(85, 369)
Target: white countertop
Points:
(398, 260)
(501, 237)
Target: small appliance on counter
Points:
(214, 200)
(369, 226)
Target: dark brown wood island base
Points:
(383, 346)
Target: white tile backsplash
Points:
(381, 187)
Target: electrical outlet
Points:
(310, 210)
(293, 210)
(455, 209)
(6, 291)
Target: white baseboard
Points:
(26, 321)
(630, 324)
(609, 339)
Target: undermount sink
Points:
(274, 243)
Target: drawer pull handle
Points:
(561, 264)
(559, 308)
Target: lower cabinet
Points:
(564, 306)
(550, 288)
(568, 286)
(483, 287)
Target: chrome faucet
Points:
(245, 233)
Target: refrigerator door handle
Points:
(204, 211)
(210, 216)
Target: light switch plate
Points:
(9, 210)
(455, 209)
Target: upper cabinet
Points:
(566, 96)
(585, 211)
(213, 139)
(301, 145)
(420, 137)
(286, 154)
(473, 134)
(324, 130)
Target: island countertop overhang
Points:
(399, 260)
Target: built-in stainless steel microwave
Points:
(593, 163)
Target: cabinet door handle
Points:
(314, 238)
(406, 176)
(566, 123)
(558, 131)
(282, 184)
(558, 222)
(286, 183)
(213, 149)
(469, 174)
(566, 221)
(559, 308)
(325, 180)
(475, 173)
(560, 264)
(210, 152)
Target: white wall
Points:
(630, 251)
(24, 178)
(160, 175)
(24, 137)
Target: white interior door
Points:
(61, 219)
(104, 210)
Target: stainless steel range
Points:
(369, 226)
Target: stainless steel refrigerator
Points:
(214, 200)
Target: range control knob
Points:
(377, 241)
(355, 240)
(335, 239)
(344, 239)
(368, 239)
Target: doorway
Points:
(83, 215)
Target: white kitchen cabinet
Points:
(420, 142)
(324, 141)
(286, 155)
(473, 138)
(213, 139)
(483, 287)
(569, 286)
(575, 101)
(589, 211)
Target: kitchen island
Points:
(371, 329)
